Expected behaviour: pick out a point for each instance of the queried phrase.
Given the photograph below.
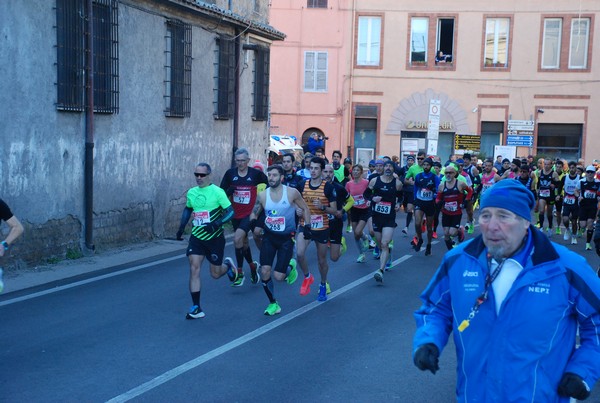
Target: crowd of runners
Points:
(293, 203)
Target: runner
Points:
(546, 185)
(587, 191)
(407, 193)
(384, 192)
(426, 185)
(320, 198)
(559, 166)
(210, 209)
(359, 213)
(240, 184)
(337, 242)
(570, 210)
(450, 197)
(278, 206)
(471, 170)
(16, 230)
(488, 177)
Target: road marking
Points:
(188, 366)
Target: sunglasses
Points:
(420, 158)
(196, 174)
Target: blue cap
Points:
(460, 161)
(379, 162)
(372, 162)
(510, 195)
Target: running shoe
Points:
(273, 309)
(239, 281)
(418, 245)
(391, 245)
(231, 270)
(566, 236)
(1, 281)
(413, 242)
(348, 228)
(361, 258)
(293, 273)
(328, 288)
(461, 234)
(372, 244)
(365, 244)
(573, 240)
(405, 231)
(322, 293)
(195, 313)
(306, 283)
(588, 246)
(344, 246)
(376, 253)
(434, 234)
(378, 276)
(538, 225)
(428, 249)
(471, 229)
(558, 231)
(388, 264)
(467, 225)
(254, 275)
(549, 232)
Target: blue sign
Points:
(523, 141)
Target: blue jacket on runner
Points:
(521, 353)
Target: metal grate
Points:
(178, 69)
(71, 33)
(224, 77)
(317, 4)
(261, 84)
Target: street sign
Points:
(529, 123)
(467, 142)
(523, 141)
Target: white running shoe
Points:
(573, 240)
(567, 235)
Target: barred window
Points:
(317, 4)
(71, 32)
(178, 69)
(261, 84)
(224, 77)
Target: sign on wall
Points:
(471, 142)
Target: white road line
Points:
(188, 366)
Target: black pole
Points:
(89, 132)
(236, 97)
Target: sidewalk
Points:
(16, 280)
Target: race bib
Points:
(275, 224)
(241, 196)
(569, 199)
(589, 194)
(451, 206)
(544, 192)
(316, 221)
(359, 200)
(486, 186)
(383, 208)
(426, 194)
(200, 218)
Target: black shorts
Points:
(213, 249)
(359, 214)
(320, 236)
(336, 229)
(587, 212)
(241, 223)
(281, 246)
(548, 200)
(381, 221)
(451, 221)
(260, 221)
(570, 210)
(427, 207)
(408, 198)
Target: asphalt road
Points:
(124, 337)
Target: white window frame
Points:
(585, 45)
(426, 44)
(496, 32)
(315, 71)
(369, 41)
(439, 34)
(558, 43)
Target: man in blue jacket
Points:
(514, 301)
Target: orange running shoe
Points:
(306, 283)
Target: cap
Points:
(379, 162)
(372, 162)
(428, 160)
(308, 155)
(460, 161)
(590, 168)
(410, 157)
(505, 160)
(258, 165)
(509, 195)
(348, 160)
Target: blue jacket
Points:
(521, 353)
(313, 144)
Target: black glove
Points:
(179, 235)
(427, 357)
(572, 385)
(307, 232)
(211, 227)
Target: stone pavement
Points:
(16, 280)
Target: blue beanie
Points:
(510, 195)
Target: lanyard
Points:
(489, 279)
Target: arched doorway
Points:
(308, 132)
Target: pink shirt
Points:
(356, 190)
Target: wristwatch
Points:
(5, 244)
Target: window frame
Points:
(316, 70)
(558, 45)
(432, 45)
(509, 39)
(224, 78)
(587, 43)
(565, 43)
(178, 69)
(410, 50)
(260, 108)
(316, 4)
(370, 16)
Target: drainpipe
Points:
(89, 134)
(236, 92)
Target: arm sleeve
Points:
(349, 203)
(185, 217)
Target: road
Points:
(123, 336)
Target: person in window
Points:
(440, 57)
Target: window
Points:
(578, 49)
(315, 71)
(418, 39)
(72, 31)
(496, 42)
(445, 39)
(317, 4)
(261, 84)
(178, 69)
(551, 43)
(224, 78)
(369, 41)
